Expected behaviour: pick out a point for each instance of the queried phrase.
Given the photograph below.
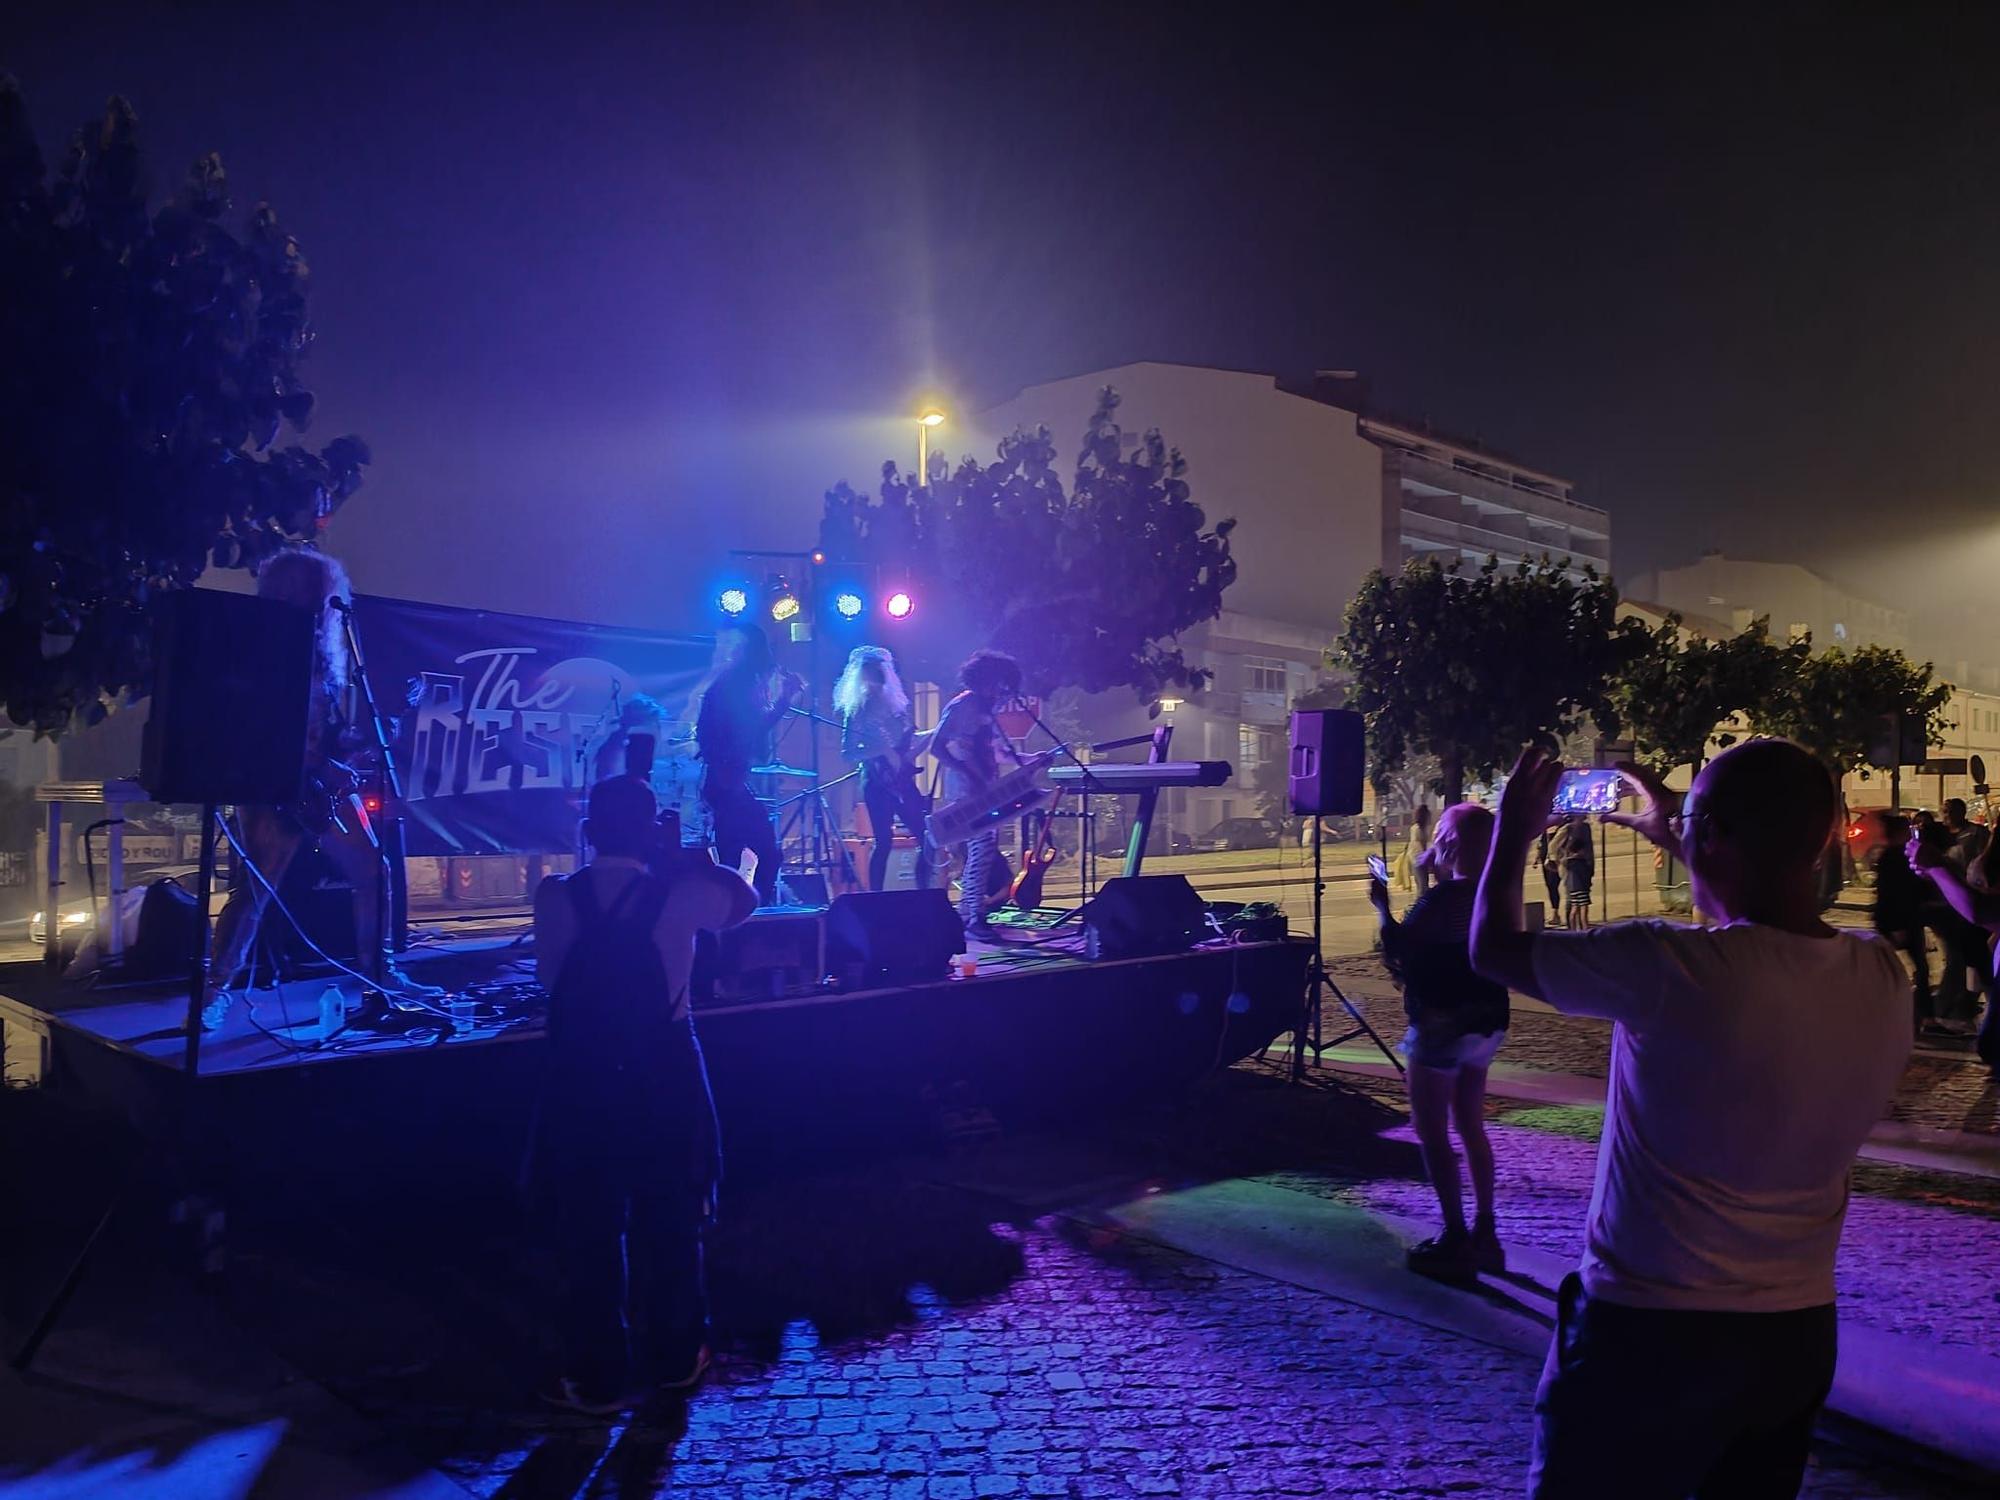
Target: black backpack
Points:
(611, 1007)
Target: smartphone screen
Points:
(1378, 867)
(1582, 791)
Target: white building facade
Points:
(1324, 493)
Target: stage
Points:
(1036, 1033)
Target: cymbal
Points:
(779, 768)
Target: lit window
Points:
(1263, 674)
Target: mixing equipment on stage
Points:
(1140, 775)
(1020, 790)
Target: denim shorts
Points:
(1452, 1052)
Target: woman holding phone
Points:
(1458, 1022)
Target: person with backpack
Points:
(627, 1151)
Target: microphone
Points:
(341, 604)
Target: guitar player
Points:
(328, 812)
(967, 743)
(877, 734)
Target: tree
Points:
(1841, 703)
(148, 363)
(1672, 693)
(1087, 588)
(1470, 669)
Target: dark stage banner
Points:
(505, 713)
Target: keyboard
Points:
(1140, 775)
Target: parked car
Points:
(1244, 833)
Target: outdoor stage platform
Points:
(1038, 1032)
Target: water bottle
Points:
(332, 1010)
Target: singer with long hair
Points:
(877, 734)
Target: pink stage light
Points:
(900, 604)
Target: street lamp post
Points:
(932, 417)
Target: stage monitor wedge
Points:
(892, 937)
(1137, 915)
(231, 704)
(1329, 762)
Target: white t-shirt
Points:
(1747, 1067)
(691, 906)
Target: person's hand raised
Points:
(1527, 806)
(1661, 804)
(1923, 857)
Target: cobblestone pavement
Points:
(1945, 1090)
(935, 1329)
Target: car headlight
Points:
(75, 918)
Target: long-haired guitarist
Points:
(968, 744)
(329, 809)
(877, 733)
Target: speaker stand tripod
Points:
(1306, 1033)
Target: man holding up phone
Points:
(1749, 1060)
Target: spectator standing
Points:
(1458, 1022)
(1965, 945)
(1577, 854)
(1750, 1058)
(1976, 899)
(1900, 899)
(1551, 878)
(626, 1143)
(1417, 849)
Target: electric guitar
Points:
(1026, 891)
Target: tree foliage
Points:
(1088, 588)
(149, 361)
(1471, 668)
(1674, 694)
(1838, 703)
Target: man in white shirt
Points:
(1749, 1060)
(626, 1137)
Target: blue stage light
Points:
(733, 601)
(847, 604)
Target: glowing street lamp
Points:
(930, 418)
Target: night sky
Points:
(609, 293)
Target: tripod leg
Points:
(1360, 1027)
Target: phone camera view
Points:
(1589, 792)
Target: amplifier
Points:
(903, 856)
(769, 957)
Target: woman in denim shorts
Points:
(1457, 1023)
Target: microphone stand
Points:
(1087, 853)
(392, 806)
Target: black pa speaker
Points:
(232, 686)
(892, 937)
(1329, 762)
(1133, 915)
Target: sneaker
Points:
(566, 1394)
(216, 1010)
(1488, 1254)
(695, 1376)
(1444, 1257)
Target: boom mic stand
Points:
(392, 804)
(818, 834)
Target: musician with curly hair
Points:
(968, 744)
